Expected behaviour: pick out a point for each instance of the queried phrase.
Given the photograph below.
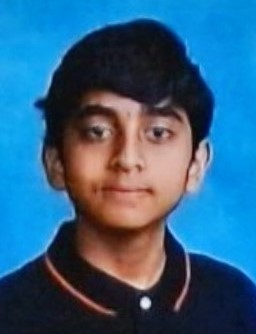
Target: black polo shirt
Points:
(59, 293)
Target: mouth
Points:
(125, 193)
(125, 189)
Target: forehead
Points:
(112, 104)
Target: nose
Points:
(128, 153)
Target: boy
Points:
(127, 117)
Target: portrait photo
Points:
(74, 77)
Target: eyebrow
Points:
(95, 110)
(167, 111)
(100, 110)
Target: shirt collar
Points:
(107, 295)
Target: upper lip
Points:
(123, 188)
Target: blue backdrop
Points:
(221, 35)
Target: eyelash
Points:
(160, 129)
(95, 133)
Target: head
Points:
(142, 65)
(142, 60)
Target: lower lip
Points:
(125, 194)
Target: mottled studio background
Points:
(221, 36)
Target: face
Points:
(125, 166)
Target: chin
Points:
(131, 222)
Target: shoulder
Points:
(223, 287)
(215, 272)
(24, 275)
(23, 284)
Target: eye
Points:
(158, 134)
(97, 132)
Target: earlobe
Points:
(53, 167)
(201, 161)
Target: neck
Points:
(134, 257)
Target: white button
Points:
(145, 303)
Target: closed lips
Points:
(125, 189)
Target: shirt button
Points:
(145, 303)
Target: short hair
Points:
(142, 59)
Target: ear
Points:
(198, 166)
(53, 167)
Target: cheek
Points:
(170, 162)
(169, 169)
(82, 168)
(171, 180)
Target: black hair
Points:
(141, 59)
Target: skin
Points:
(125, 168)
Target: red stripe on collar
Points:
(184, 292)
(74, 292)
